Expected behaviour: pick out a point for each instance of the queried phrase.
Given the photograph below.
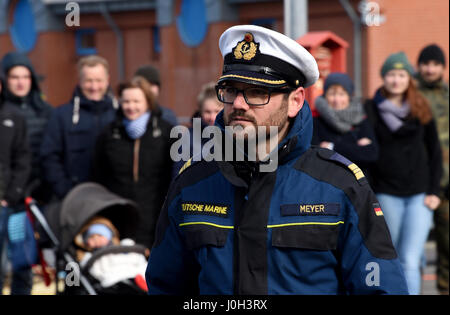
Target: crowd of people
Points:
(395, 139)
(399, 138)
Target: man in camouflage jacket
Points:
(431, 65)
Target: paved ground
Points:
(429, 275)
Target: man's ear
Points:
(296, 101)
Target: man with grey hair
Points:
(71, 134)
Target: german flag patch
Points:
(377, 209)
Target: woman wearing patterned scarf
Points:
(342, 125)
(406, 177)
(132, 157)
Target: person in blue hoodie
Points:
(69, 140)
(292, 220)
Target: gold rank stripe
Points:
(254, 79)
(185, 166)
(305, 223)
(356, 171)
(207, 223)
(353, 166)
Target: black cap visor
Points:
(263, 70)
(252, 78)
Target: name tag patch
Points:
(204, 208)
(310, 209)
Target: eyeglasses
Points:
(255, 96)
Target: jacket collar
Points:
(153, 124)
(296, 142)
(439, 84)
(105, 104)
(378, 97)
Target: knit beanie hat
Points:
(397, 61)
(150, 73)
(431, 52)
(337, 78)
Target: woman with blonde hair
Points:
(407, 174)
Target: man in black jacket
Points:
(22, 92)
(15, 164)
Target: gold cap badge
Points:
(246, 49)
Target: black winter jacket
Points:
(69, 140)
(410, 159)
(36, 119)
(139, 170)
(36, 113)
(15, 156)
(346, 143)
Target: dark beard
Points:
(279, 119)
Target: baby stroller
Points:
(62, 224)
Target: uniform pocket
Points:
(199, 235)
(313, 236)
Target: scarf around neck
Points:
(392, 114)
(136, 128)
(341, 120)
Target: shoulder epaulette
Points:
(336, 157)
(185, 166)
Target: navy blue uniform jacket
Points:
(313, 226)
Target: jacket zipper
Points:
(136, 160)
(236, 262)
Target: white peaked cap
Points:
(257, 55)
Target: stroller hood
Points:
(87, 200)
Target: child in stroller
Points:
(100, 240)
(99, 234)
(94, 228)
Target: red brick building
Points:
(148, 33)
(409, 26)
